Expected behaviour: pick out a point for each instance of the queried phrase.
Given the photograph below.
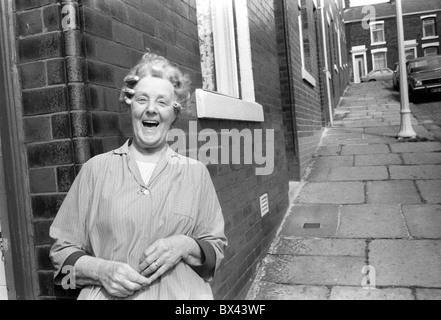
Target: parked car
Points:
(396, 77)
(424, 76)
(385, 74)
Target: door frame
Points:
(359, 51)
(357, 72)
(16, 222)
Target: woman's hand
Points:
(120, 279)
(127, 91)
(164, 254)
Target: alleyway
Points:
(366, 219)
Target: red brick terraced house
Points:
(372, 34)
(276, 66)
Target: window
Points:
(306, 31)
(410, 47)
(429, 29)
(411, 53)
(379, 59)
(377, 33)
(228, 90)
(225, 48)
(430, 51)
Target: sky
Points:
(365, 2)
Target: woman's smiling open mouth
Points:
(150, 124)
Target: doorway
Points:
(17, 255)
(359, 68)
(3, 208)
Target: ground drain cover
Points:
(311, 226)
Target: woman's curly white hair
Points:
(153, 65)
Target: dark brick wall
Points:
(250, 234)
(413, 30)
(46, 123)
(287, 93)
(305, 107)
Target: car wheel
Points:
(372, 80)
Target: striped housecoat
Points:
(111, 213)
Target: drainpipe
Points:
(75, 79)
(292, 98)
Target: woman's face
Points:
(152, 113)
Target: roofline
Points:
(404, 15)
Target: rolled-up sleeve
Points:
(210, 223)
(69, 229)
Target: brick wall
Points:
(252, 244)
(287, 93)
(46, 122)
(307, 109)
(70, 84)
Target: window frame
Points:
(377, 51)
(371, 25)
(425, 19)
(411, 45)
(431, 47)
(210, 102)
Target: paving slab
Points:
(357, 142)
(369, 139)
(416, 147)
(428, 294)
(325, 215)
(423, 221)
(329, 151)
(390, 131)
(333, 162)
(272, 291)
(319, 247)
(318, 174)
(372, 221)
(365, 149)
(378, 160)
(406, 263)
(358, 173)
(421, 158)
(332, 131)
(392, 192)
(358, 293)
(421, 172)
(312, 270)
(430, 190)
(332, 193)
(374, 123)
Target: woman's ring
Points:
(155, 265)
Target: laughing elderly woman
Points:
(142, 222)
